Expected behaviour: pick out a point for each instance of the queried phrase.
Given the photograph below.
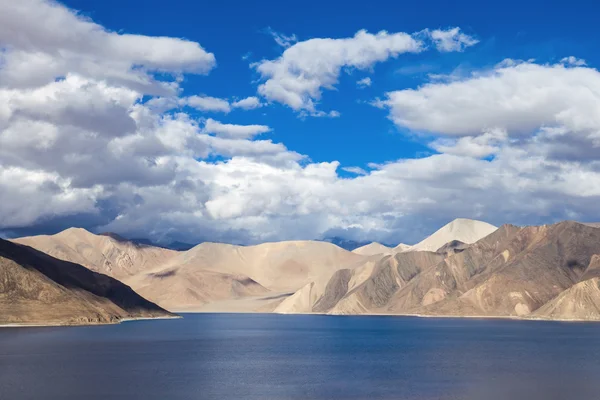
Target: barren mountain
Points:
(189, 287)
(36, 288)
(108, 253)
(218, 273)
(511, 272)
(372, 249)
(402, 247)
(461, 229)
(207, 273)
(278, 266)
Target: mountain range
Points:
(466, 268)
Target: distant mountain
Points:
(372, 249)
(207, 273)
(346, 244)
(549, 271)
(176, 245)
(465, 230)
(108, 253)
(36, 288)
(180, 246)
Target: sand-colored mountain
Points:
(36, 288)
(533, 272)
(207, 273)
(372, 249)
(278, 266)
(107, 254)
(461, 229)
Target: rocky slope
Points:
(546, 271)
(36, 288)
(207, 273)
(108, 253)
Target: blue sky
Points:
(122, 116)
(546, 31)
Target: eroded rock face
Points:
(546, 271)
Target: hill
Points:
(545, 271)
(36, 288)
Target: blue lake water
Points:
(262, 356)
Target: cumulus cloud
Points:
(519, 142)
(42, 39)
(450, 40)
(207, 103)
(574, 61)
(519, 98)
(234, 131)
(364, 82)
(298, 76)
(486, 144)
(249, 103)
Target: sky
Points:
(246, 122)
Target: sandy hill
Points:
(372, 249)
(461, 229)
(278, 266)
(402, 247)
(542, 271)
(207, 273)
(36, 288)
(108, 253)
(264, 274)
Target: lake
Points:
(268, 356)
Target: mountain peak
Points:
(461, 229)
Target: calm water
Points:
(221, 356)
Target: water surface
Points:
(262, 356)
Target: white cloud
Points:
(207, 103)
(249, 103)
(234, 131)
(355, 170)
(479, 146)
(519, 98)
(298, 76)
(450, 40)
(43, 40)
(281, 39)
(88, 144)
(364, 82)
(573, 61)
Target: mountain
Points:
(354, 287)
(345, 244)
(109, 253)
(402, 247)
(36, 288)
(179, 246)
(548, 271)
(278, 266)
(207, 273)
(231, 275)
(465, 230)
(372, 249)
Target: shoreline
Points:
(67, 325)
(481, 317)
